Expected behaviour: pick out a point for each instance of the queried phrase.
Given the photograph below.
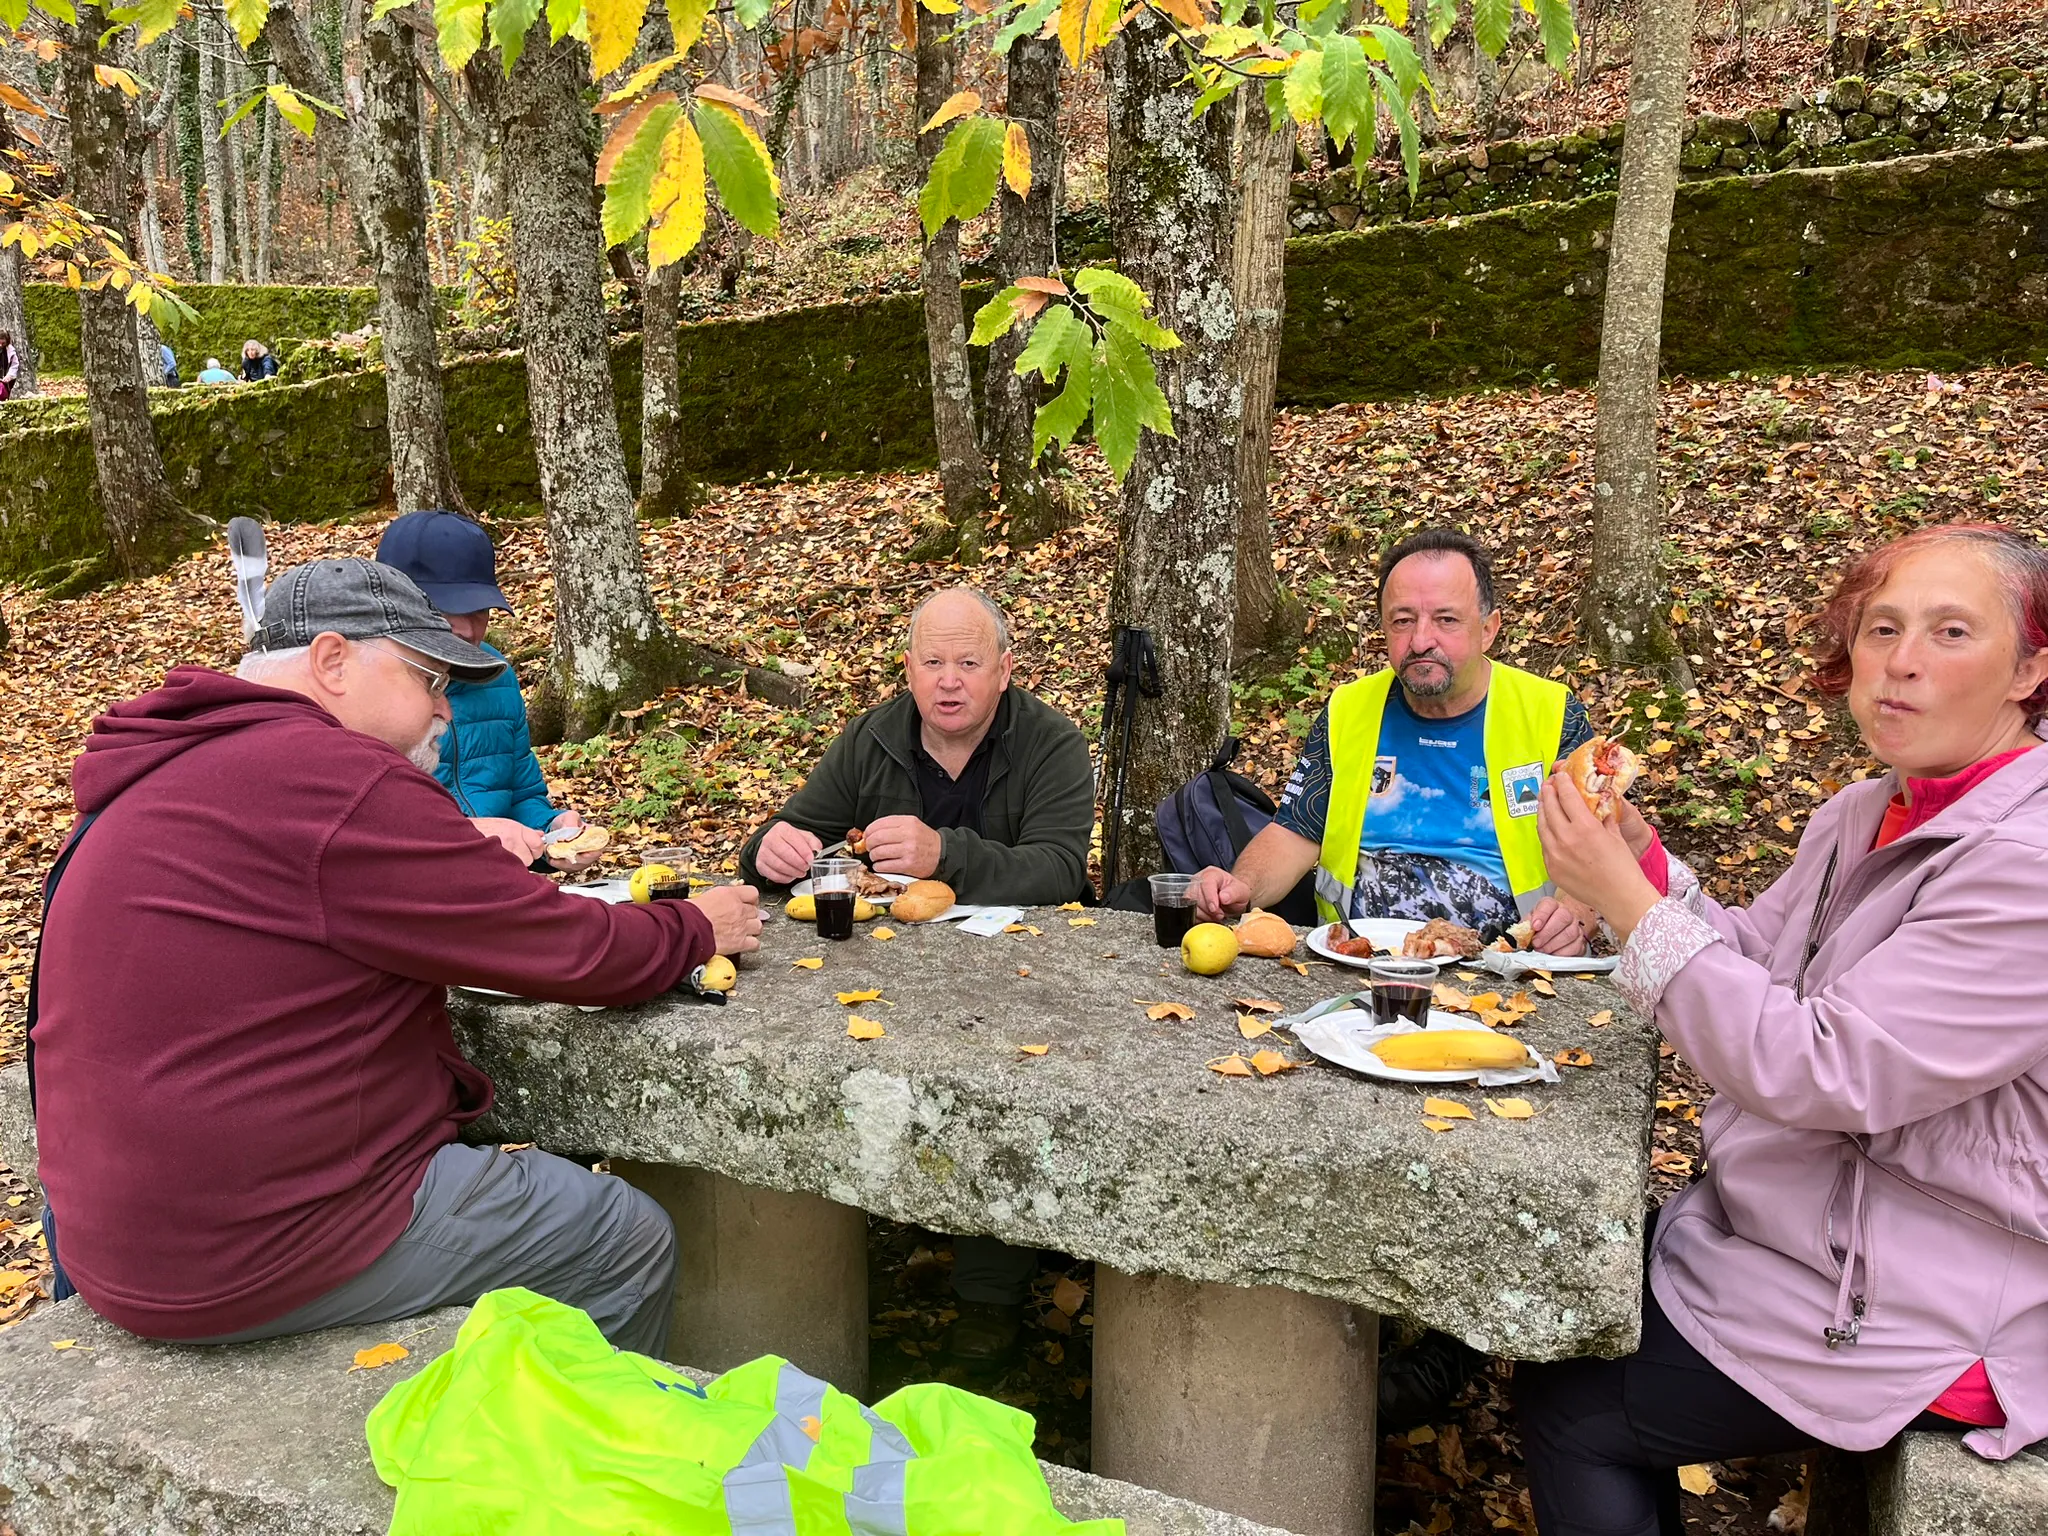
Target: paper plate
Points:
(1346, 1038)
(1385, 932)
(806, 888)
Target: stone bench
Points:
(1929, 1485)
(116, 1433)
(18, 1126)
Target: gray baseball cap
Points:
(362, 600)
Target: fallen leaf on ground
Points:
(379, 1355)
(1676, 1164)
(865, 995)
(1601, 1019)
(1447, 1109)
(1697, 1480)
(1068, 1295)
(1252, 1028)
(809, 963)
(1034, 1050)
(1023, 970)
(1257, 1004)
(1673, 1104)
(1431, 1123)
(1169, 1011)
(1069, 906)
(883, 935)
(1512, 1109)
(864, 1029)
(1080, 922)
(1421, 1435)
(1024, 928)
(1573, 1056)
(1232, 1065)
(1268, 1062)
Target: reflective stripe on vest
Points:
(757, 1491)
(1524, 719)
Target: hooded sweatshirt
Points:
(243, 1057)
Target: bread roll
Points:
(1602, 770)
(921, 901)
(1266, 934)
(589, 840)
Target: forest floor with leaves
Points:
(1774, 482)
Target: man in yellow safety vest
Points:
(1419, 801)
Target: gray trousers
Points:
(485, 1218)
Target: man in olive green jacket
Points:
(964, 779)
(968, 780)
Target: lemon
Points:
(803, 908)
(1209, 949)
(646, 878)
(719, 974)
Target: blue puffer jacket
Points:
(487, 759)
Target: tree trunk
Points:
(612, 649)
(212, 77)
(1268, 620)
(391, 200)
(963, 472)
(1028, 246)
(191, 143)
(1624, 611)
(666, 488)
(1169, 196)
(14, 317)
(266, 156)
(136, 506)
(1425, 53)
(236, 83)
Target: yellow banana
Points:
(1451, 1050)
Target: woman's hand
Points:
(1592, 860)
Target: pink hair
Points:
(2022, 569)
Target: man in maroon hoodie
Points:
(247, 1091)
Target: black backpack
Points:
(1209, 820)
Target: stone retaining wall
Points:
(1851, 123)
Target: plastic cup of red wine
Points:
(1401, 990)
(1173, 909)
(832, 892)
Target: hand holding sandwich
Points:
(1595, 857)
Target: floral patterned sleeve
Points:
(1683, 885)
(1669, 935)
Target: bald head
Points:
(958, 662)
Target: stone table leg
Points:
(1257, 1401)
(763, 1273)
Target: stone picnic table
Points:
(1247, 1231)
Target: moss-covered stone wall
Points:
(1938, 261)
(229, 314)
(1851, 122)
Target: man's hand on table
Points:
(786, 852)
(735, 913)
(903, 845)
(1219, 894)
(520, 840)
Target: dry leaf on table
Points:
(809, 963)
(1232, 1065)
(864, 1029)
(1512, 1109)
(1573, 1056)
(1431, 1123)
(1447, 1109)
(1542, 987)
(379, 1355)
(865, 995)
(1295, 966)
(1252, 1028)
(1034, 1050)
(1268, 1062)
(1257, 1004)
(1068, 906)
(1169, 1011)
(1601, 1019)
(883, 935)
(1080, 922)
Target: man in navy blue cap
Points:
(487, 759)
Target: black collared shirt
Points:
(944, 800)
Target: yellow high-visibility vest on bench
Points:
(1524, 719)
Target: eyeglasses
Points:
(437, 682)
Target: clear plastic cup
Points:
(1401, 990)
(832, 893)
(1173, 909)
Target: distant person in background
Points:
(213, 373)
(10, 365)
(487, 760)
(257, 363)
(170, 364)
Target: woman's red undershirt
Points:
(1969, 1399)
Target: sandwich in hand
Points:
(1602, 771)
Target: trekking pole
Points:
(1134, 672)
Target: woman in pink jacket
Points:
(1868, 1247)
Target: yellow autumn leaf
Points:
(1543, 988)
(1257, 1004)
(1521, 1002)
(1601, 1019)
(1697, 1480)
(118, 79)
(1447, 1109)
(1573, 1056)
(1017, 160)
(1251, 1028)
(1169, 1011)
(1270, 1061)
(1483, 1001)
(1512, 1109)
(884, 935)
(64, 1344)
(865, 995)
(1447, 996)
(809, 963)
(959, 104)
(1025, 928)
(614, 27)
(677, 202)
(1430, 1123)
(864, 1029)
(1080, 922)
(1232, 1065)
(1295, 966)
(379, 1355)
(1034, 1050)
(1068, 906)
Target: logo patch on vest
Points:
(1522, 786)
(1383, 774)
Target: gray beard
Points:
(427, 755)
(1434, 690)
